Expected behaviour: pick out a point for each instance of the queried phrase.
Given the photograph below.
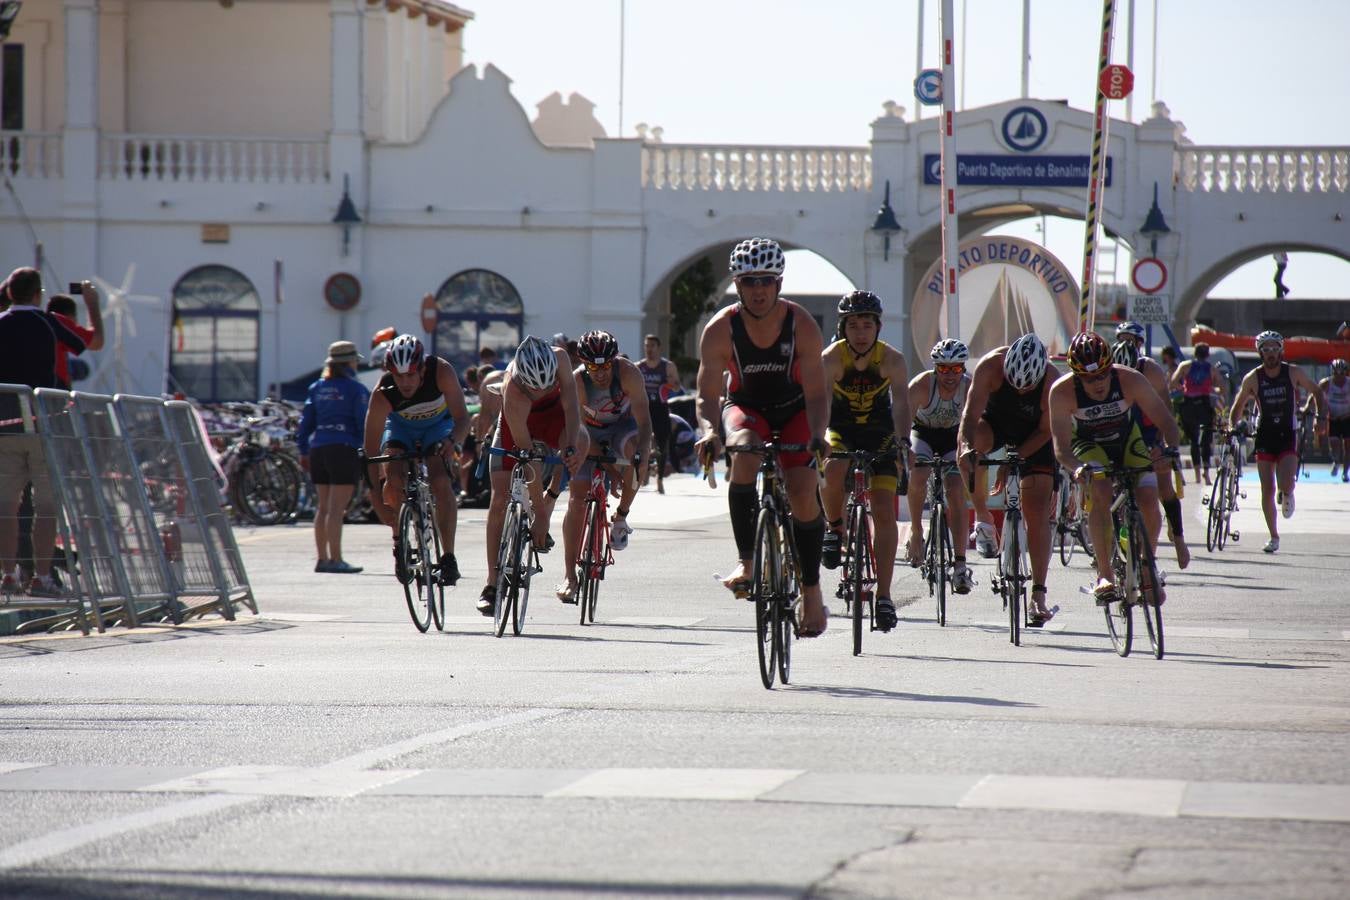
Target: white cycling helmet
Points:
(535, 364)
(1024, 363)
(950, 351)
(1131, 329)
(405, 354)
(757, 255)
(1269, 337)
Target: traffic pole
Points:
(1087, 311)
(950, 231)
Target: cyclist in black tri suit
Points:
(1272, 385)
(764, 354)
(661, 379)
(1008, 404)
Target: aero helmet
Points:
(1270, 337)
(1089, 353)
(405, 353)
(597, 347)
(859, 303)
(535, 364)
(757, 255)
(1340, 366)
(1130, 329)
(950, 351)
(1024, 363)
(1126, 353)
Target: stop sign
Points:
(1116, 82)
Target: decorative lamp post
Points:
(9, 11)
(347, 216)
(886, 224)
(1154, 224)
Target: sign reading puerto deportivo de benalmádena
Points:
(1008, 287)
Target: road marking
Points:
(1313, 802)
(16, 766)
(373, 757)
(301, 617)
(668, 622)
(282, 781)
(1134, 796)
(678, 784)
(26, 853)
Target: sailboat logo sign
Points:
(1024, 129)
(1008, 287)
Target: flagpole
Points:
(278, 290)
(947, 130)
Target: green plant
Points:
(692, 296)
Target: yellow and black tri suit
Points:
(1105, 431)
(860, 412)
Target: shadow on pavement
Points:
(880, 694)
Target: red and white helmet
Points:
(405, 354)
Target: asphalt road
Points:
(326, 748)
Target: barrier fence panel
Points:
(22, 459)
(122, 494)
(222, 552)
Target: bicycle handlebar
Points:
(526, 455)
(764, 449)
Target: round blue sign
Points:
(1024, 129)
(928, 87)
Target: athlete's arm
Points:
(918, 394)
(571, 411)
(1245, 394)
(1145, 396)
(489, 404)
(448, 381)
(1157, 378)
(1179, 375)
(988, 371)
(630, 379)
(672, 377)
(1315, 393)
(377, 413)
(812, 372)
(894, 367)
(1061, 404)
(714, 350)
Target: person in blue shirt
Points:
(330, 433)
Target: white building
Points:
(207, 140)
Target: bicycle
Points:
(1225, 491)
(517, 559)
(939, 558)
(858, 582)
(1013, 567)
(596, 554)
(775, 577)
(1070, 527)
(1307, 437)
(1133, 563)
(419, 538)
(264, 481)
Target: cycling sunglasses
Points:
(596, 367)
(950, 368)
(757, 280)
(1104, 372)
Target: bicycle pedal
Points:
(1204, 501)
(1242, 494)
(1233, 536)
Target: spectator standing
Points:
(63, 307)
(330, 433)
(32, 339)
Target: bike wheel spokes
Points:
(1119, 616)
(1012, 579)
(409, 535)
(525, 564)
(855, 572)
(761, 591)
(506, 575)
(1150, 591)
(586, 563)
(938, 566)
(435, 584)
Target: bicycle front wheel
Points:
(940, 551)
(767, 565)
(1150, 588)
(525, 560)
(1218, 496)
(267, 489)
(586, 574)
(856, 572)
(1013, 578)
(434, 583)
(1119, 616)
(508, 556)
(410, 544)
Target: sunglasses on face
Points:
(757, 280)
(1097, 376)
(949, 368)
(595, 367)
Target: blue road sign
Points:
(928, 87)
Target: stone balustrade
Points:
(146, 157)
(688, 167)
(1289, 170)
(30, 154)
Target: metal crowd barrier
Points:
(139, 508)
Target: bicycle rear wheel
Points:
(267, 489)
(940, 550)
(1150, 588)
(525, 565)
(433, 585)
(763, 578)
(788, 595)
(586, 582)
(508, 560)
(1119, 617)
(856, 571)
(1229, 496)
(410, 542)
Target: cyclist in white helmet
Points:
(418, 401)
(540, 409)
(1009, 404)
(938, 398)
(1273, 385)
(766, 352)
(1336, 386)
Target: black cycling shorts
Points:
(334, 464)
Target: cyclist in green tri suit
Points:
(869, 408)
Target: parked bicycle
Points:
(857, 585)
(264, 481)
(775, 576)
(1225, 491)
(517, 560)
(939, 558)
(1135, 568)
(595, 554)
(419, 538)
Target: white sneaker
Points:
(962, 581)
(618, 534)
(1287, 505)
(1271, 545)
(986, 540)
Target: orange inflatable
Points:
(1296, 349)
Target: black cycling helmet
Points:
(858, 303)
(597, 347)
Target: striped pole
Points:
(950, 231)
(1087, 312)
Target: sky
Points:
(1245, 72)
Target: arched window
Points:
(214, 346)
(476, 309)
